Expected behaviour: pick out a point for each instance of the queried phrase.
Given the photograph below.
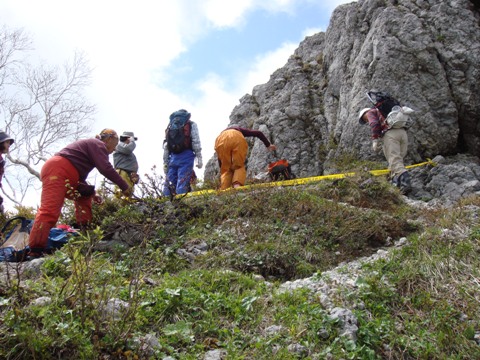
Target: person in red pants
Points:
(63, 177)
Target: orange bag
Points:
(280, 169)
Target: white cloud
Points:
(311, 31)
(223, 13)
(264, 65)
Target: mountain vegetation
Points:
(255, 274)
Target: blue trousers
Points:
(179, 173)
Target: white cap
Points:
(360, 114)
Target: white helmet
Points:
(360, 114)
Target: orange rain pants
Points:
(231, 148)
(59, 179)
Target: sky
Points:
(150, 58)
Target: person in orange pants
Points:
(62, 177)
(231, 148)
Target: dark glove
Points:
(85, 189)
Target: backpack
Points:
(399, 117)
(383, 101)
(178, 132)
(279, 170)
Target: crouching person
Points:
(231, 148)
(63, 177)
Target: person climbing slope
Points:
(394, 136)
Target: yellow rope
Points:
(303, 181)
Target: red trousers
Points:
(59, 181)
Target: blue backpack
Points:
(177, 135)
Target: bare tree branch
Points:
(30, 169)
(42, 107)
(12, 43)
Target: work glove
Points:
(377, 146)
(199, 163)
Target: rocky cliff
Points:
(426, 53)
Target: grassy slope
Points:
(421, 302)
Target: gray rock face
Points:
(426, 53)
(449, 181)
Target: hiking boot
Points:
(404, 183)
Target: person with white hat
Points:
(125, 161)
(395, 145)
(5, 142)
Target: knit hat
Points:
(5, 137)
(128, 134)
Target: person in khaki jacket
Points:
(231, 148)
